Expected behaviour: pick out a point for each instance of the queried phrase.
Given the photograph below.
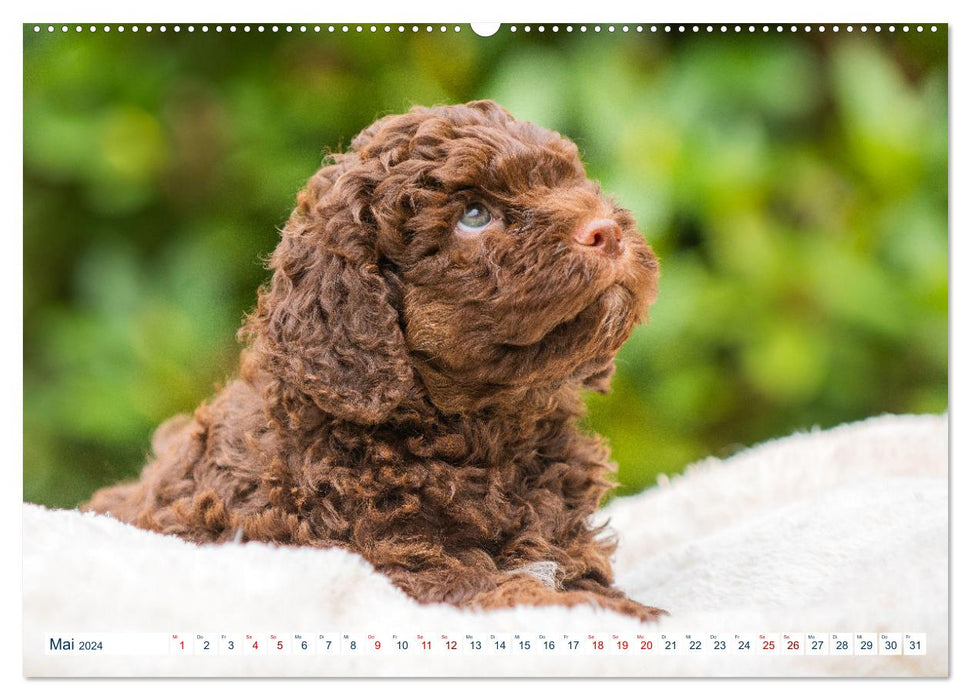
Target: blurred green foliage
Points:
(794, 186)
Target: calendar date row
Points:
(490, 644)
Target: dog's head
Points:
(455, 251)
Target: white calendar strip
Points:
(488, 644)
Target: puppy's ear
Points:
(324, 327)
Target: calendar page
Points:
(544, 349)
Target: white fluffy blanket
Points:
(843, 530)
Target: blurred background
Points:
(793, 185)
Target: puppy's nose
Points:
(602, 235)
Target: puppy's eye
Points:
(475, 218)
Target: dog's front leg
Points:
(514, 589)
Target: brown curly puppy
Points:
(411, 386)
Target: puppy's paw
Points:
(626, 606)
(526, 590)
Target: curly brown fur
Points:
(410, 389)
